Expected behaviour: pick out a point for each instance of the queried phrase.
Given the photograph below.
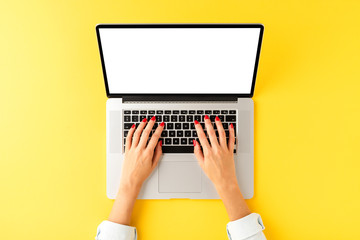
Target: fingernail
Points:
(133, 126)
(194, 142)
(217, 118)
(231, 125)
(144, 120)
(162, 124)
(196, 122)
(160, 143)
(153, 118)
(206, 117)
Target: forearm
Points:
(233, 200)
(123, 205)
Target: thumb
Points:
(157, 154)
(198, 153)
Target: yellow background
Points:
(52, 120)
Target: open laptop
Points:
(179, 73)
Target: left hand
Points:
(140, 157)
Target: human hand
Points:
(217, 157)
(140, 158)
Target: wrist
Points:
(131, 190)
(227, 187)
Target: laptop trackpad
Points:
(179, 177)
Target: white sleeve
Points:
(247, 228)
(113, 231)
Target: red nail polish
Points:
(196, 122)
(162, 124)
(194, 142)
(206, 117)
(133, 126)
(231, 125)
(144, 120)
(153, 118)
(160, 143)
(217, 118)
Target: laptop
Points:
(179, 73)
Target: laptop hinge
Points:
(177, 98)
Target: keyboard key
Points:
(191, 111)
(142, 117)
(166, 118)
(127, 111)
(175, 141)
(192, 126)
(184, 141)
(126, 118)
(156, 125)
(167, 141)
(151, 112)
(174, 118)
(169, 126)
(135, 118)
(197, 118)
(177, 125)
(194, 134)
(164, 133)
(167, 112)
(184, 111)
(225, 126)
(178, 149)
(149, 117)
(231, 118)
(135, 112)
(224, 111)
(126, 133)
(203, 125)
(159, 112)
(189, 118)
(199, 112)
(232, 111)
(171, 133)
(221, 117)
(191, 141)
(187, 133)
(182, 118)
(158, 118)
(143, 112)
(186, 126)
(208, 112)
(180, 133)
(127, 125)
(216, 111)
(212, 117)
(175, 112)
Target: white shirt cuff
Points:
(113, 231)
(245, 227)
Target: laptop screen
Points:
(181, 60)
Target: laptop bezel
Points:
(180, 96)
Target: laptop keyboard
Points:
(179, 130)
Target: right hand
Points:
(217, 157)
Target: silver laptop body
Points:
(149, 68)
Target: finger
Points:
(138, 132)
(221, 132)
(129, 138)
(211, 132)
(231, 142)
(155, 137)
(145, 134)
(198, 153)
(202, 137)
(157, 154)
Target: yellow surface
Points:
(52, 120)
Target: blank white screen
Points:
(179, 60)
